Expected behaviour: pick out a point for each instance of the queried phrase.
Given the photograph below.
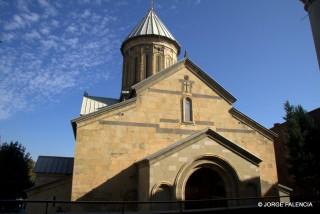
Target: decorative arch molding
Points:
(159, 186)
(216, 163)
(161, 191)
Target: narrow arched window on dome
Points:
(136, 70)
(127, 76)
(147, 64)
(187, 110)
(158, 63)
(168, 62)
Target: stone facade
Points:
(110, 142)
(169, 170)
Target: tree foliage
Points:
(303, 143)
(15, 167)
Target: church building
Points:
(172, 135)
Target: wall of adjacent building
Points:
(314, 16)
(53, 190)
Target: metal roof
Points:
(92, 103)
(101, 111)
(151, 25)
(54, 165)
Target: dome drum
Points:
(148, 49)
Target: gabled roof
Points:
(194, 138)
(195, 70)
(54, 165)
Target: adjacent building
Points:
(282, 155)
(313, 9)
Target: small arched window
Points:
(158, 63)
(147, 64)
(187, 110)
(168, 61)
(127, 81)
(136, 70)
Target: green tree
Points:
(15, 167)
(303, 144)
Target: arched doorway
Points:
(203, 184)
(162, 192)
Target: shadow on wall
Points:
(121, 187)
(124, 187)
(246, 189)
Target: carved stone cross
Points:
(187, 84)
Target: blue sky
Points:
(262, 52)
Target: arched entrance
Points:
(203, 184)
(207, 177)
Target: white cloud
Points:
(6, 103)
(31, 17)
(21, 21)
(122, 3)
(173, 7)
(48, 44)
(86, 13)
(50, 10)
(22, 6)
(7, 37)
(33, 35)
(71, 29)
(44, 55)
(84, 1)
(16, 23)
(45, 30)
(54, 23)
(72, 42)
(98, 2)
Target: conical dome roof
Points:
(153, 26)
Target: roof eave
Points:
(211, 82)
(253, 124)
